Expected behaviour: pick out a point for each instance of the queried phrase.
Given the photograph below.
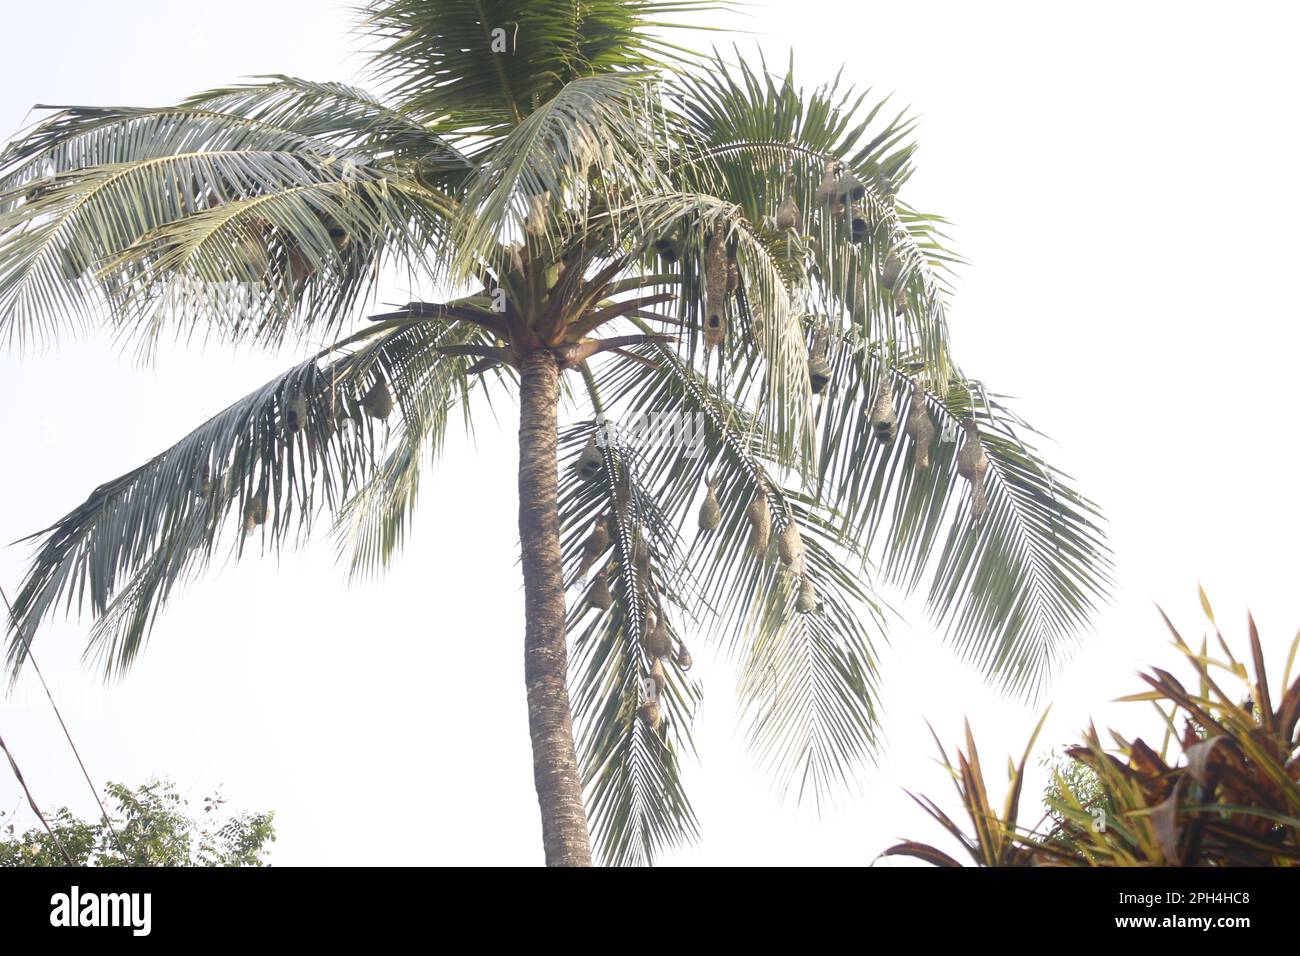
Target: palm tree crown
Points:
(700, 241)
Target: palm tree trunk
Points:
(555, 764)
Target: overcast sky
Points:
(1122, 178)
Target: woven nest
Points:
(919, 428)
(884, 417)
(590, 462)
(598, 595)
(789, 546)
(819, 374)
(651, 713)
(378, 401)
(710, 511)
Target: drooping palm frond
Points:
(1014, 588)
(201, 217)
(765, 340)
(807, 680)
(750, 130)
(299, 445)
(631, 771)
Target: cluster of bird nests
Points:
(842, 193)
(377, 402)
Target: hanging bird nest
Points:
(819, 374)
(806, 601)
(598, 594)
(789, 545)
(715, 330)
(973, 465)
(890, 271)
(849, 188)
(651, 713)
(884, 417)
(859, 228)
(710, 510)
(254, 512)
(759, 515)
(590, 462)
(595, 545)
(830, 179)
(919, 428)
(715, 290)
(788, 214)
(659, 675)
(295, 411)
(819, 369)
(378, 401)
(658, 642)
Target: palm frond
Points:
(296, 446)
(1013, 589)
(198, 214)
(632, 773)
(486, 64)
(751, 129)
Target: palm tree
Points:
(696, 240)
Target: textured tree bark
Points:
(550, 724)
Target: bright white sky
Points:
(1122, 177)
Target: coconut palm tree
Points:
(707, 270)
